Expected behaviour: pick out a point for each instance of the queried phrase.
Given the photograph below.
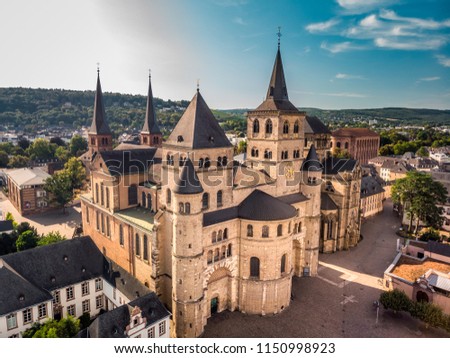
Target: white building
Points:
(69, 278)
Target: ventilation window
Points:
(65, 258)
(180, 138)
(211, 139)
(53, 279)
(21, 298)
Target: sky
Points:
(336, 53)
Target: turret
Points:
(150, 134)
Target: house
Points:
(361, 144)
(372, 196)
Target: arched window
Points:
(265, 231)
(181, 208)
(108, 227)
(254, 267)
(299, 227)
(250, 230)
(107, 197)
(255, 152)
(267, 154)
(102, 193)
(216, 255)
(187, 208)
(149, 201)
(132, 195)
(296, 229)
(209, 258)
(207, 163)
(145, 247)
(224, 161)
(289, 228)
(96, 193)
(214, 237)
(280, 230)
(219, 162)
(283, 264)
(201, 162)
(338, 144)
(225, 234)
(219, 198)
(255, 126)
(219, 235)
(168, 159)
(346, 145)
(286, 127)
(144, 200)
(121, 235)
(205, 201)
(137, 245)
(268, 126)
(169, 196)
(229, 253)
(296, 127)
(224, 252)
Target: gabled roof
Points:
(264, 207)
(187, 182)
(99, 124)
(326, 203)
(130, 161)
(198, 128)
(150, 123)
(338, 165)
(370, 186)
(112, 324)
(313, 125)
(28, 176)
(438, 248)
(312, 163)
(277, 98)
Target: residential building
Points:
(361, 144)
(372, 196)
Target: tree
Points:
(26, 240)
(41, 149)
(78, 145)
(341, 153)
(76, 172)
(63, 154)
(10, 217)
(8, 243)
(395, 300)
(430, 235)
(387, 149)
(241, 147)
(23, 143)
(18, 161)
(4, 159)
(51, 238)
(64, 328)
(420, 196)
(60, 186)
(423, 152)
(25, 226)
(58, 141)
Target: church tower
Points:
(150, 134)
(99, 134)
(275, 132)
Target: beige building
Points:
(361, 144)
(26, 190)
(317, 133)
(372, 196)
(208, 234)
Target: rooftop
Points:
(354, 132)
(411, 269)
(138, 216)
(28, 176)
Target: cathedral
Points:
(206, 233)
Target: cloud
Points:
(443, 60)
(340, 46)
(239, 20)
(230, 3)
(249, 48)
(322, 26)
(345, 94)
(428, 79)
(346, 76)
(408, 44)
(361, 6)
(428, 24)
(370, 21)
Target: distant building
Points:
(26, 190)
(361, 144)
(422, 271)
(392, 170)
(68, 278)
(372, 196)
(317, 134)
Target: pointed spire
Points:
(150, 124)
(277, 87)
(312, 163)
(188, 182)
(99, 124)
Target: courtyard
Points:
(340, 301)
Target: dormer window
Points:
(211, 139)
(180, 138)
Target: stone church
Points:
(208, 234)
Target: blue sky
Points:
(336, 53)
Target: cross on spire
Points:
(198, 84)
(98, 67)
(279, 36)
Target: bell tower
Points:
(150, 134)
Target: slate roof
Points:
(150, 123)
(188, 182)
(198, 128)
(370, 186)
(277, 98)
(99, 124)
(313, 125)
(438, 248)
(258, 206)
(312, 163)
(112, 324)
(129, 161)
(6, 225)
(17, 293)
(28, 176)
(333, 165)
(326, 203)
(354, 132)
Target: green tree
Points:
(387, 149)
(419, 195)
(430, 235)
(26, 240)
(63, 154)
(4, 159)
(341, 153)
(10, 217)
(423, 152)
(8, 243)
(25, 226)
(58, 141)
(60, 186)
(41, 149)
(65, 328)
(78, 145)
(76, 172)
(18, 161)
(241, 147)
(51, 238)
(23, 143)
(395, 300)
